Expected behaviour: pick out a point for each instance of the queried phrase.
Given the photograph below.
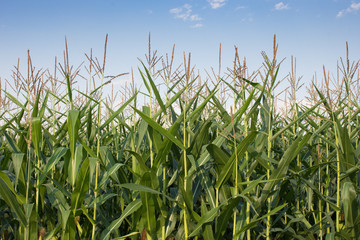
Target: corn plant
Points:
(213, 159)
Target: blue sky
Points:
(313, 31)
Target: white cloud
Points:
(354, 7)
(281, 6)
(340, 13)
(216, 3)
(195, 17)
(239, 7)
(185, 13)
(176, 10)
(198, 25)
(248, 18)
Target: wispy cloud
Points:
(185, 13)
(281, 6)
(248, 18)
(195, 17)
(239, 7)
(354, 7)
(216, 3)
(198, 25)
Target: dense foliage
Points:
(76, 165)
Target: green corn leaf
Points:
(241, 149)
(73, 128)
(161, 130)
(205, 156)
(207, 231)
(220, 157)
(320, 195)
(20, 198)
(343, 234)
(176, 83)
(225, 215)
(144, 80)
(141, 131)
(88, 97)
(36, 134)
(109, 162)
(9, 197)
(50, 235)
(351, 208)
(140, 161)
(69, 231)
(12, 143)
(296, 120)
(143, 188)
(252, 185)
(348, 156)
(148, 203)
(69, 91)
(330, 236)
(200, 108)
(120, 110)
(92, 166)
(102, 199)
(112, 171)
(254, 84)
(166, 146)
(130, 209)
(172, 99)
(283, 166)
(51, 163)
(15, 100)
(207, 217)
(17, 160)
(223, 113)
(75, 164)
(157, 140)
(154, 88)
(253, 223)
(44, 106)
(28, 207)
(87, 149)
(200, 139)
(81, 187)
(89, 124)
(57, 198)
(127, 236)
(121, 117)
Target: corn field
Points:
(204, 157)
